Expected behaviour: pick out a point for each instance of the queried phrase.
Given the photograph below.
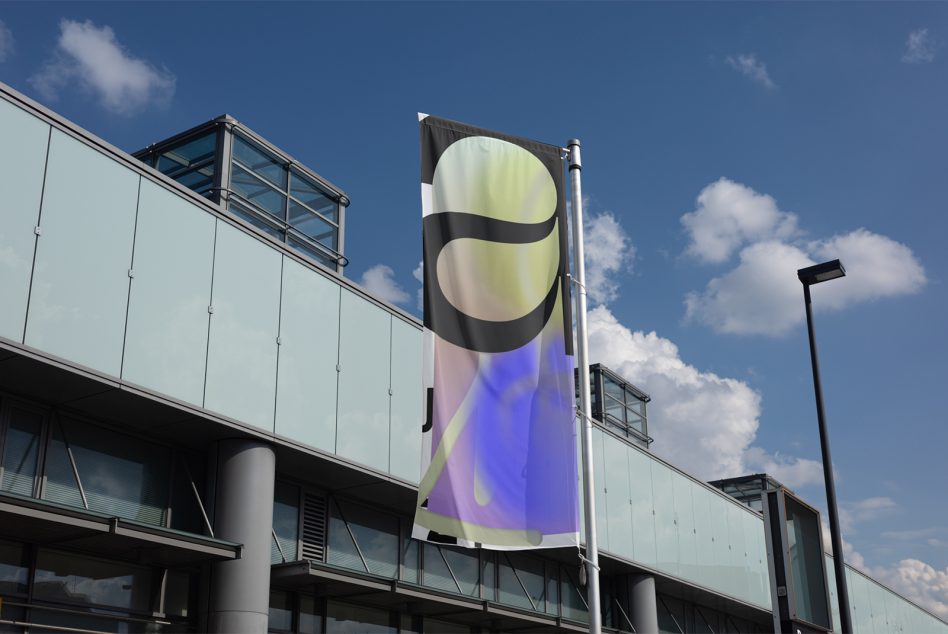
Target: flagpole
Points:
(589, 490)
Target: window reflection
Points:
(20, 451)
(70, 578)
(14, 569)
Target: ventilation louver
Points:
(313, 533)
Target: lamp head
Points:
(821, 272)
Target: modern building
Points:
(205, 427)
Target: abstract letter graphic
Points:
(499, 436)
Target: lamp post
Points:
(809, 276)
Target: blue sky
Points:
(724, 146)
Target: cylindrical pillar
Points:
(243, 513)
(643, 604)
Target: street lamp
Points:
(809, 276)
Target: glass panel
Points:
(20, 451)
(521, 581)
(342, 550)
(185, 510)
(757, 556)
(705, 573)
(613, 389)
(409, 558)
(188, 153)
(443, 627)
(376, 535)
(466, 568)
(166, 340)
(258, 192)
(407, 413)
(121, 475)
(437, 574)
(643, 520)
(311, 617)
(804, 543)
(685, 518)
(281, 612)
(721, 551)
(21, 184)
(70, 578)
(14, 568)
(572, 596)
(364, 347)
(308, 192)
(312, 251)
(178, 593)
(599, 480)
(260, 161)
(618, 507)
(286, 522)
(342, 618)
(80, 286)
(242, 351)
(312, 225)
(309, 343)
(737, 570)
(200, 180)
(666, 530)
(256, 219)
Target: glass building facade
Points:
(232, 432)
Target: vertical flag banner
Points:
(499, 443)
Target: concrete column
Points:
(243, 513)
(643, 604)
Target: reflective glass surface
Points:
(20, 450)
(617, 499)
(705, 572)
(685, 518)
(188, 154)
(14, 568)
(364, 347)
(260, 161)
(407, 413)
(258, 192)
(643, 520)
(311, 618)
(737, 570)
(166, 340)
(666, 528)
(599, 479)
(804, 542)
(280, 618)
(21, 186)
(121, 475)
(242, 350)
(309, 336)
(256, 219)
(312, 225)
(343, 618)
(71, 578)
(521, 581)
(376, 539)
(312, 195)
(465, 566)
(80, 283)
(311, 251)
(436, 572)
(286, 519)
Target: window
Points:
(619, 405)
(283, 201)
(21, 447)
(191, 163)
(286, 522)
(14, 569)
(70, 578)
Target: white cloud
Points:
(92, 57)
(919, 48)
(853, 513)
(761, 294)
(608, 251)
(702, 422)
(6, 41)
(729, 215)
(378, 280)
(752, 68)
(920, 582)
(791, 471)
(419, 274)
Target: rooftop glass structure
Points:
(619, 405)
(236, 168)
(748, 489)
